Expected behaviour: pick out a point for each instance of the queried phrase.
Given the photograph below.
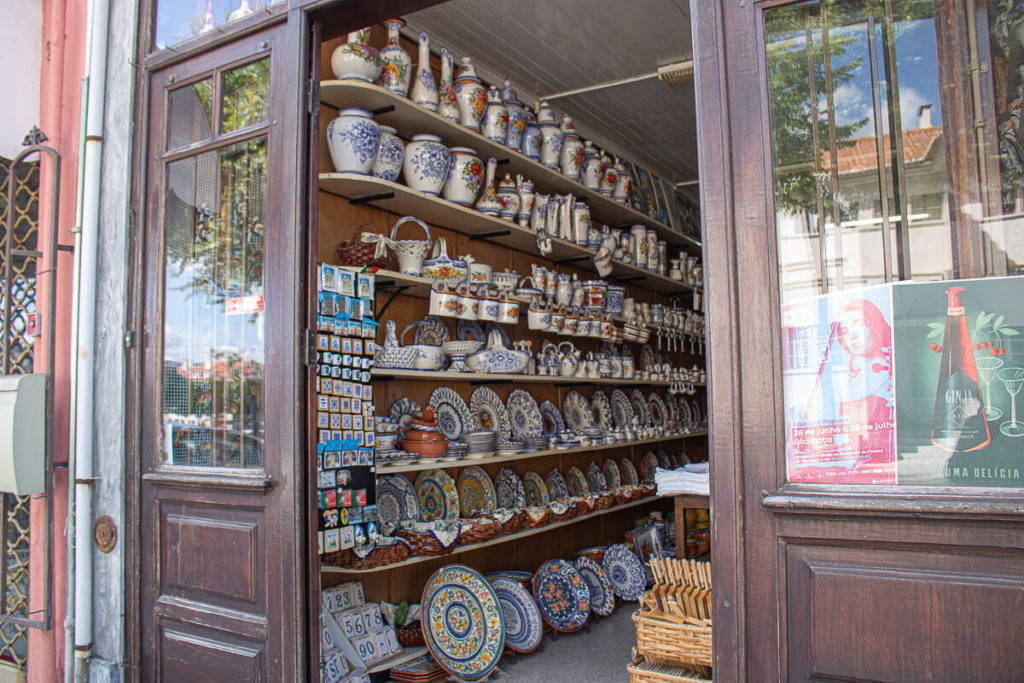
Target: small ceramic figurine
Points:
(424, 89)
(395, 63)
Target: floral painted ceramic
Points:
(424, 88)
(625, 571)
(494, 124)
(466, 176)
(462, 622)
(395, 63)
(353, 139)
(562, 596)
(471, 94)
(447, 102)
(524, 630)
(390, 152)
(437, 495)
(602, 595)
(426, 163)
(356, 59)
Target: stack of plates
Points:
(456, 451)
(535, 443)
(420, 670)
(480, 444)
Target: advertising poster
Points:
(960, 369)
(838, 388)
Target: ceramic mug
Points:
(479, 273)
(508, 311)
(571, 324)
(488, 307)
(468, 302)
(443, 301)
(538, 319)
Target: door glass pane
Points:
(897, 169)
(214, 319)
(191, 114)
(245, 99)
(178, 20)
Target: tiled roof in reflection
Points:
(860, 154)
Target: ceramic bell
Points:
(395, 63)
(471, 94)
(424, 89)
(447, 102)
(488, 202)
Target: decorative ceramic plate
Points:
(622, 409)
(629, 477)
(523, 627)
(602, 595)
(434, 333)
(595, 478)
(437, 496)
(659, 413)
(695, 410)
(557, 486)
(602, 410)
(625, 571)
(562, 596)
(524, 578)
(673, 409)
(639, 404)
(469, 330)
(612, 476)
(648, 465)
(403, 410)
(646, 355)
(525, 414)
(684, 414)
(576, 409)
(577, 482)
(489, 412)
(551, 419)
(664, 461)
(462, 622)
(476, 492)
(511, 492)
(396, 499)
(453, 416)
(495, 327)
(536, 489)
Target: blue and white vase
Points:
(424, 88)
(426, 163)
(570, 160)
(551, 134)
(593, 167)
(471, 94)
(353, 140)
(494, 125)
(356, 59)
(395, 63)
(613, 299)
(532, 138)
(516, 115)
(390, 153)
(465, 176)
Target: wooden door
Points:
(220, 558)
(847, 146)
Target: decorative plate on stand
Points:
(469, 330)
(625, 571)
(622, 409)
(476, 492)
(684, 414)
(551, 419)
(577, 482)
(629, 477)
(562, 596)
(648, 465)
(557, 486)
(524, 629)
(595, 478)
(510, 490)
(664, 460)
(403, 410)
(577, 412)
(640, 407)
(434, 333)
(490, 413)
(525, 414)
(453, 416)
(602, 595)
(694, 410)
(437, 496)
(659, 413)
(612, 476)
(462, 622)
(396, 499)
(536, 489)
(602, 410)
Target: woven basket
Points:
(674, 641)
(514, 523)
(423, 542)
(529, 522)
(604, 501)
(623, 496)
(356, 252)
(410, 636)
(380, 556)
(478, 531)
(569, 513)
(646, 672)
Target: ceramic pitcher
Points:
(516, 115)
(494, 124)
(488, 202)
(471, 94)
(447, 102)
(424, 88)
(395, 63)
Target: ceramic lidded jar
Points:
(390, 153)
(471, 94)
(356, 59)
(424, 88)
(509, 198)
(488, 202)
(516, 115)
(426, 163)
(526, 198)
(551, 136)
(395, 63)
(465, 176)
(447, 102)
(571, 158)
(592, 167)
(622, 183)
(532, 138)
(494, 124)
(353, 140)
(610, 178)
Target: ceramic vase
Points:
(390, 153)
(526, 198)
(516, 115)
(494, 124)
(395, 63)
(610, 178)
(465, 176)
(243, 11)
(593, 167)
(424, 89)
(488, 202)
(356, 60)
(509, 198)
(353, 140)
(447, 102)
(551, 142)
(571, 158)
(471, 94)
(532, 138)
(622, 183)
(426, 163)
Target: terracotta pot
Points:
(425, 449)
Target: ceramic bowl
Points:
(425, 449)
(422, 436)
(501, 361)
(461, 347)
(428, 357)
(386, 442)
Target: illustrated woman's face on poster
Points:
(863, 330)
(857, 334)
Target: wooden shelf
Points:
(494, 541)
(467, 462)
(409, 119)
(408, 654)
(400, 199)
(436, 375)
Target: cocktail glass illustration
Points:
(987, 369)
(1012, 379)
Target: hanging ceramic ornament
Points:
(395, 63)
(551, 144)
(471, 94)
(488, 202)
(243, 11)
(495, 121)
(447, 102)
(424, 89)
(516, 115)
(571, 158)
(356, 60)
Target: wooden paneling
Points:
(224, 658)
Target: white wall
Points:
(21, 35)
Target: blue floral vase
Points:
(390, 153)
(426, 163)
(353, 140)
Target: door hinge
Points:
(129, 340)
(313, 96)
(309, 344)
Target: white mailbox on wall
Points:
(23, 434)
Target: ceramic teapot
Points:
(410, 252)
(568, 359)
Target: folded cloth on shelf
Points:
(686, 479)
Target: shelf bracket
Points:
(571, 259)
(391, 298)
(479, 382)
(501, 162)
(630, 278)
(493, 233)
(383, 110)
(371, 197)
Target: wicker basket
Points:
(478, 531)
(604, 501)
(514, 523)
(356, 252)
(674, 641)
(410, 636)
(423, 542)
(623, 496)
(646, 672)
(378, 557)
(570, 512)
(531, 522)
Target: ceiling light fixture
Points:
(672, 75)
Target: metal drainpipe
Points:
(85, 315)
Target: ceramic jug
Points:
(494, 124)
(353, 139)
(424, 88)
(356, 59)
(532, 139)
(622, 183)
(471, 94)
(395, 63)
(570, 159)
(410, 253)
(447, 102)
(488, 202)
(426, 163)
(390, 153)
(580, 223)
(516, 115)
(610, 178)
(551, 136)
(593, 167)
(509, 198)
(569, 359)
(465, 176)
(526, 197)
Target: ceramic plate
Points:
(684, 414)
(576, 409)
(525, 414)
(602, 410)
(602, 595)
(622, 409)
(536, 489)
(434, 333)
(664, 462)
(403, 410)
(524, 578)
(612, 476)
(476, 492)
(557, 486)
(659, 413)
(453, 416)
(462, 622)
(396, 499)
(595, 478)
(648, 465)
(673, 409)
(523, 627)
(511, 492)
(639, 404)
(437, 496)
(490, 413)
(551, 419)
(629, 477)
(562, 596)
(469, 330)
(577, 482)
(625, 571)
(695, 410)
